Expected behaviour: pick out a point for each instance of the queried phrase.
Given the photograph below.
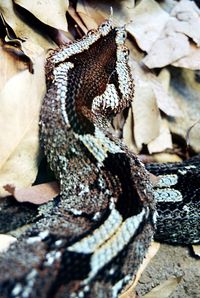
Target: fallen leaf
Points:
(37, 194)
(166, 288)
(149, 20)
(20, 100)
(163, 141)
(185, 90)
(55, 11)
(164, 78)
(5, 242)
(97, 11)
(89, 16)
(166, 102)
(189, 131)
(74, 14)
(149, 97)
(152, 251)
(191, 60)
(173, 42)
(170, 47)
(188, 14)
(9, 68)
(128, 137)
(146, 114)
(21, 29)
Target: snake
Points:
(91, 239)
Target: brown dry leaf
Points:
(37, 194)
(170, 47)
(152, 251)
(89, 16)
(163, 141)
(128, 137)
(73, 13)
(149, 96)
(21, 29)
(185, 89)
(166, 102)
(5, 242)
(90, 10)
(173, 42)
(196, 250)
(9, 65)
(159, 85)
(19, 115)
(146, 114)
(50, 12)
(188, 15)
(166, 288)
(149, 20)
(192, 60)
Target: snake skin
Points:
(178, 221)
(90, 240)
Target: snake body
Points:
(90, 241)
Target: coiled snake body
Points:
(90, 241)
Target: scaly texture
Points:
(90, 241)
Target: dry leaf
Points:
(191, 60)
(50, 12)
(21, 29)
(149, 20)
(9, 66)
(173, 42)
(185, 90)
(37, 194)
(128, 137)
(163, 141)
(146, 114)
(152, 251)
(89, 16)
(97, 11)
(149, 96)
(166, 288)
(5, 242)
(164, 78)
(170, 47)
(196, 250)
(73, 13)
(19, 115)
(188, 15)
(165, 102)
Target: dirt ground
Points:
(172, 261)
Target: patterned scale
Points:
(178, 201)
